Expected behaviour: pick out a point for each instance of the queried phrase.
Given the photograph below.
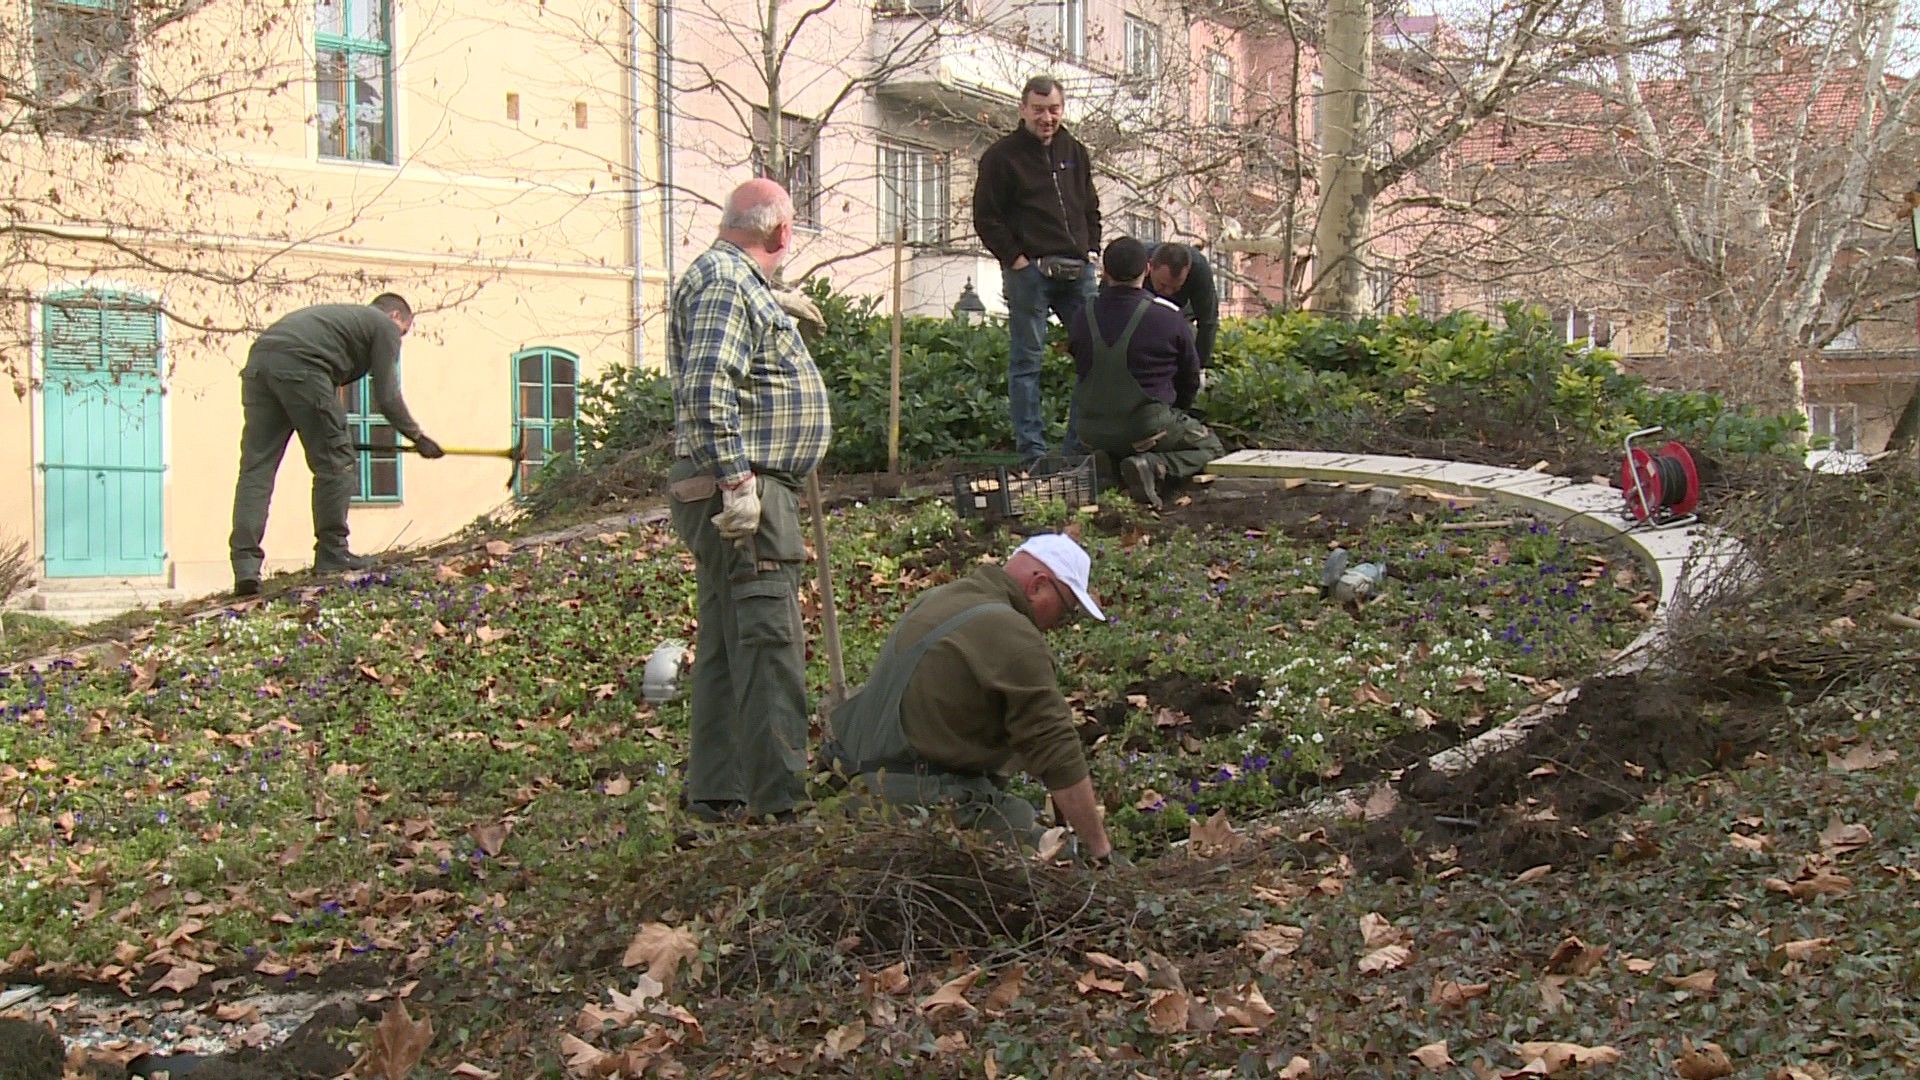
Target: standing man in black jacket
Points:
(1035, 208)
(1180, 274)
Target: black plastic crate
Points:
(1004, 491)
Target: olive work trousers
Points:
(749, 738)
(277, 402)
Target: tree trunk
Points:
(1346, 204)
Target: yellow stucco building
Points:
(180, 174)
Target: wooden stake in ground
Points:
(893, 400)
(829, 618)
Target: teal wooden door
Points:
(103, 455)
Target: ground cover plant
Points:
(406, 764)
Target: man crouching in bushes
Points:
(965, 686)
(1138, 373)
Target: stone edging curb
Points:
(1687, 561)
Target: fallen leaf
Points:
(1298, 1068)
(1246, 1007)
(1812, 883)
(1534, 874)
(1754, 842)
(468, 1071)
(951, 1043)
(1449, 994)
(1052, 843)
(1861, 759)
(618, 786)
(1284, 940)
(888, 980)
(1376, 930)
(488, 635)
(1434, 1056)
(1575, 957)
(1704, 1062)
(952, 994)
(844, 1040)
(583, 1058)
(1805, 949)
(661, 948)
(1839, 837)
(183, 976)
(1638, 966)
(1552, 998)
(1215, 836)
(1113, 966)
(1006, 990)
(1553, 1057)
(499, 547)
(1167, 1012)
(398, 1043)
(1386, 958)
(1700, 982)
(490, 838)
(1090, 982)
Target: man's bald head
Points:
(759, 221)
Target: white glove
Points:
(804, 311)
(739, 514)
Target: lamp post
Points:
(969, 307)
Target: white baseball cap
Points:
(1068, 562)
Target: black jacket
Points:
(1036, 199)
(1198, 300)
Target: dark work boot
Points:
(246, 586)
(332, 564)
(1141, 479)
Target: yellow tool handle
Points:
(476, 451)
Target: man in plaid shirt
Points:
(751, 419)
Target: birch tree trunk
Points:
(1346, 201)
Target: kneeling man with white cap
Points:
(965, 688)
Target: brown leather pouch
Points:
(1149, 442)
(694, 488)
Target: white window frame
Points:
(906, 171)
(1142, 56)
(1838, 421)
(1073, 28)
(1219, 89)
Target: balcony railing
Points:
(946, 62)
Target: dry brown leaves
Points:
(661, 949)
(399, 1042)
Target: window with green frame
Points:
(378, 471)
(353, 40)
(544, 380)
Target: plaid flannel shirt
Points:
(746, 393)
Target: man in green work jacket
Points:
(291, 384)
(965, 689)
(751, 420)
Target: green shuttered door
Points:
(103, 451)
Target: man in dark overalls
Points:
(965, 688)
(1138, 373)
(291, 384)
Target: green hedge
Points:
(1284, 376)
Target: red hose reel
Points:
(1662, 487)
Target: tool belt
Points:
(1061, 267)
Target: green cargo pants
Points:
(1183, 448)
(278, 399)
(870, 743)
(749, 739)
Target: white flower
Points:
(1318, 738)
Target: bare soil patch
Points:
(1541, 802)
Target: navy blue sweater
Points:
(1162, 357)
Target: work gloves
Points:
(427, 447)
(739, 515)
(806, 314)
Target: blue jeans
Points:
(1030, 296)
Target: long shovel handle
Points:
(830, 619)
